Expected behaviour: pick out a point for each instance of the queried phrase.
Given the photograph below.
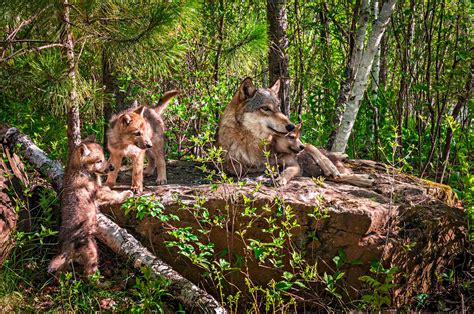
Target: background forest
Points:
(61, 60)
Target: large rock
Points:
(414, 224)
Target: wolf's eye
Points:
(99, 161)
(265, 109)
(292, 137)
(137, 133)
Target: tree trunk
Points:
(277, 55)
(118, 239)
(361, 77)
(73, 118)
(355, 52)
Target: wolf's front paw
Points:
(161, 181)
(280, 182)
(137, 189)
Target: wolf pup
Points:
(297, 159)
(134, 133)
(284, 149)
(251, 118)
(82, 194)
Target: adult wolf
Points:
(247, 124)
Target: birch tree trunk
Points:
(361, 77)
(73, 118)
(117, 238)
(355, 55)
(277, 55)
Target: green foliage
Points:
(149, 291)
(379, 293)
(147, 206)
(126, 51)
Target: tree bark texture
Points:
(361, 77)
(277, 55)
(73, 118)
(118, 239)
(355, 52)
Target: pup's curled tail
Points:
(164, 100)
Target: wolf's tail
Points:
(164, 100)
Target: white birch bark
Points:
(359, 41)
(361, 77)
(351, 69)
(117, 238)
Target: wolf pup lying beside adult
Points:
(296, 158)
(82, 194)
(135, 133)
(248, 124)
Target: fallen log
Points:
(117, 238)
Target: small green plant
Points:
(147, 206)
(379, 293)
(149, 291)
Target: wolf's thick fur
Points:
(82, 194)
(251, 118)
(297, 159)
(284, 149)
(134, 133)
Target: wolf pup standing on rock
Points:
(249, 120)
(82, 194)
(134, 133)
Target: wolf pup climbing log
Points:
(82, 194)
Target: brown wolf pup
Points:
(251, 118)
(297, 159)
(82, 194)
(134, 133)
(284, 149)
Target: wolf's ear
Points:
(91, 138)
(84, 150)
(247, 89)
(125, 119)
(140, 110)
(298, 127)
(276, 86)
